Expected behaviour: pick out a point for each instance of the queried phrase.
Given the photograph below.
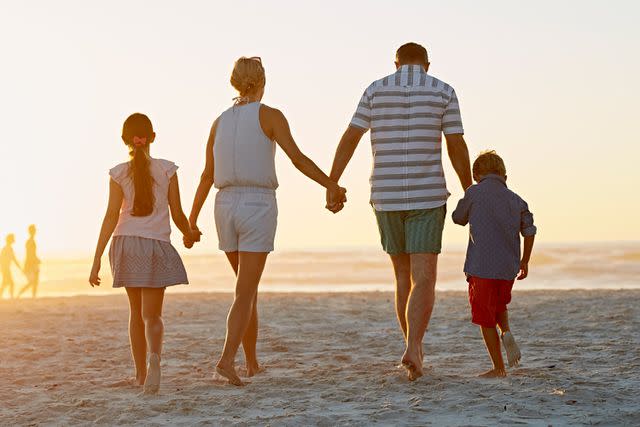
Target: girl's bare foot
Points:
(413, 364)
(229, 372)
(494, 373)
(152, 382)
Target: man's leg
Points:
(419, 308)
(402, 270)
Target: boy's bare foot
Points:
(494, 373)
(512, 349)
(152, 382)
(413, 364)
(229, 372)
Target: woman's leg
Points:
(136, 334)
(250, 338)
(250, 267)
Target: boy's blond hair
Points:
(488, 162)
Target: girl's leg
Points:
(136, 334)
(152, 299)
(250, 267)
(250, 338)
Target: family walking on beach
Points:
(407, 113)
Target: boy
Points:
(7, 256)
(496, 217)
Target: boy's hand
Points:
(94, 279)
(524, 270)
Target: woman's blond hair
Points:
(489, 162)
(247, 75)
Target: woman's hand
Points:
(94, 279)
(192, 237)
(336, 198)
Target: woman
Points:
(240, 162)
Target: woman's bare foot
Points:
(413, 364)
(253, 369)
(494, 373)
(229, 372)
(152, 382)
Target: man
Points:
(31, 264)
(407, 113)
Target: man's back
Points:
(407, 113)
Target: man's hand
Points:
(524, 270)
(336, 198)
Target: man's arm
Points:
(347, 146)
(459, 156)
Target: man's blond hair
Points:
(488, 162)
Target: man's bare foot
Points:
(152, 382)
(494, 373)
(413, 364)
(229, 372)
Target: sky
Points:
(552, 86)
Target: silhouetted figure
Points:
(31, 264)
(7, 256)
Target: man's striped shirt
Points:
(407, 113)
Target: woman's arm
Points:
(278, 129)
(177, 214)
(206, 180)
(108, 225)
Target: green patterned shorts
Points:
(412, 232)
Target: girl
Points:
(240, 161)
(141, 191)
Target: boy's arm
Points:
(528, 230)
(461, 214)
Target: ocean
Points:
(559, 266)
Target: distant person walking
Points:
(407, 113)
(31, 264)
(240, 163)
(7, 257)
(143, 261)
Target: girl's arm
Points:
(206, 179)
(108, 225)
(179, 218)
(278, 130)
(15, 260)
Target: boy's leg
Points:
(136, 334)
(503, 321)
(502, 317)
(492, 341)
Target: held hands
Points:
(94, 279)
(524, 270)
(192, 237)
(336, 198)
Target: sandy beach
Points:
(330, 358)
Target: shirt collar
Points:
(495, 177)
(411, 68)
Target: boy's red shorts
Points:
(488, 298)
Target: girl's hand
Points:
(94, 279)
